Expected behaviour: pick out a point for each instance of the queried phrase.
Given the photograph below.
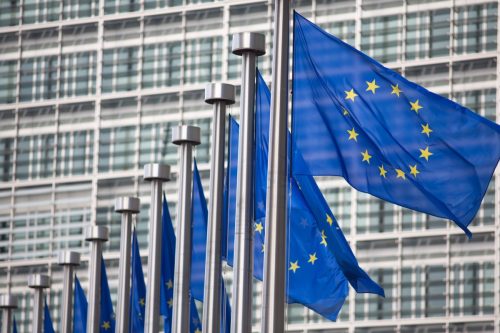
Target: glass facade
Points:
(90, 91)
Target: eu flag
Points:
(167, 275)
(387, 136)
(14, 325)
(107, 316)
(80, 306)
(199, 216)
(47, 321)
(138, 290)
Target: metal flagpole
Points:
(69, 260)
(273, 307)
(38, 282)
(157, 174)
(96, 235)
(8, 303)
(186, 137)
(220, 95)
(248, 46)
(126, 206)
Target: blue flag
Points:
(387, 136)
(80, 306)
(315, 277)
(107, 317)
(199, 216)
(138, 290)
(14, 325)
(47, 321)
(167, 275)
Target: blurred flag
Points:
(387, 136)
(167, 275)
(199, 215)
(107, 318)
(79, 309)
(138, 290)
(14, 325)
(47, 321)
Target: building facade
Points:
(89, 92)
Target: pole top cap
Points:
(127, 205)
(219, 92)
(96, 233)
(69, 258)
(8, 302)
(157, 171)
(38, 281)
(249, 42)
(186, 134)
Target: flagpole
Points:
(38, 282)
(126, 206)
(273, 307)
(220, 95)
(69, 260)
(8, 303)
(186, 137)
(156, 174)
(248, 45)
(96, 235)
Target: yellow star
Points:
(141, 302)
(415, 106)
(345, 112)
(312, 258)
(366, 156)
(350, 95)
(323, 238)
(329, 220)
(414, 171)
(396, 90)
(372, 86)
(353, 135)
(259, 227)
(401, 174)
(170, 303)
(426, 129)
(197, 330)
(106, 325)
(383, 171)
(425, 153)
(170, 284)
(294, 266)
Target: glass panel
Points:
(76, 113)
(476, 28)
(9, 42)
(381, 38)
(80, 8)
(119, 72)
(121, 6)
(202, 20)
(428, 34)
(203, 60)
(37, 117)
(162, 25)
(121, 30)
(8, 78)
(38, 78)
(36, 11)
(245, 15)
(79, 35)
(9, 13)
(78, 74)
(35, 40)
(161, 65)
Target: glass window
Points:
(73, 9)
(381, 37)
(156, 145)
(78, 74)
(8, 78)
(75, 152)
(36, 40)
(78, 113)
(119, 108)
(381, 4)
(6, 159)
(369, 306)
(121, 6)
(9, 13)
(119, 70)
(117, 148)
(203, 20)
(79, 35)
(245, 15)
(36, 11)
(7, 121)
(155, 105)
(476, 28)
(162, 25)
(429, 76)
(37, 117)
(374, 215)
(480, 101)
(38, 78)
(339, 201)
(342, 29)
(161, 65)
(152, 4)
(121, 30)
(9, 42)
(482, 70)
(330, 8)
(428, 34)
(203, 60)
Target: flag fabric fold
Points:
(167, 275)
(107, 315)
(47, 320)
(138, 290)
(80, 306)
(14, 325)
(387, 136)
